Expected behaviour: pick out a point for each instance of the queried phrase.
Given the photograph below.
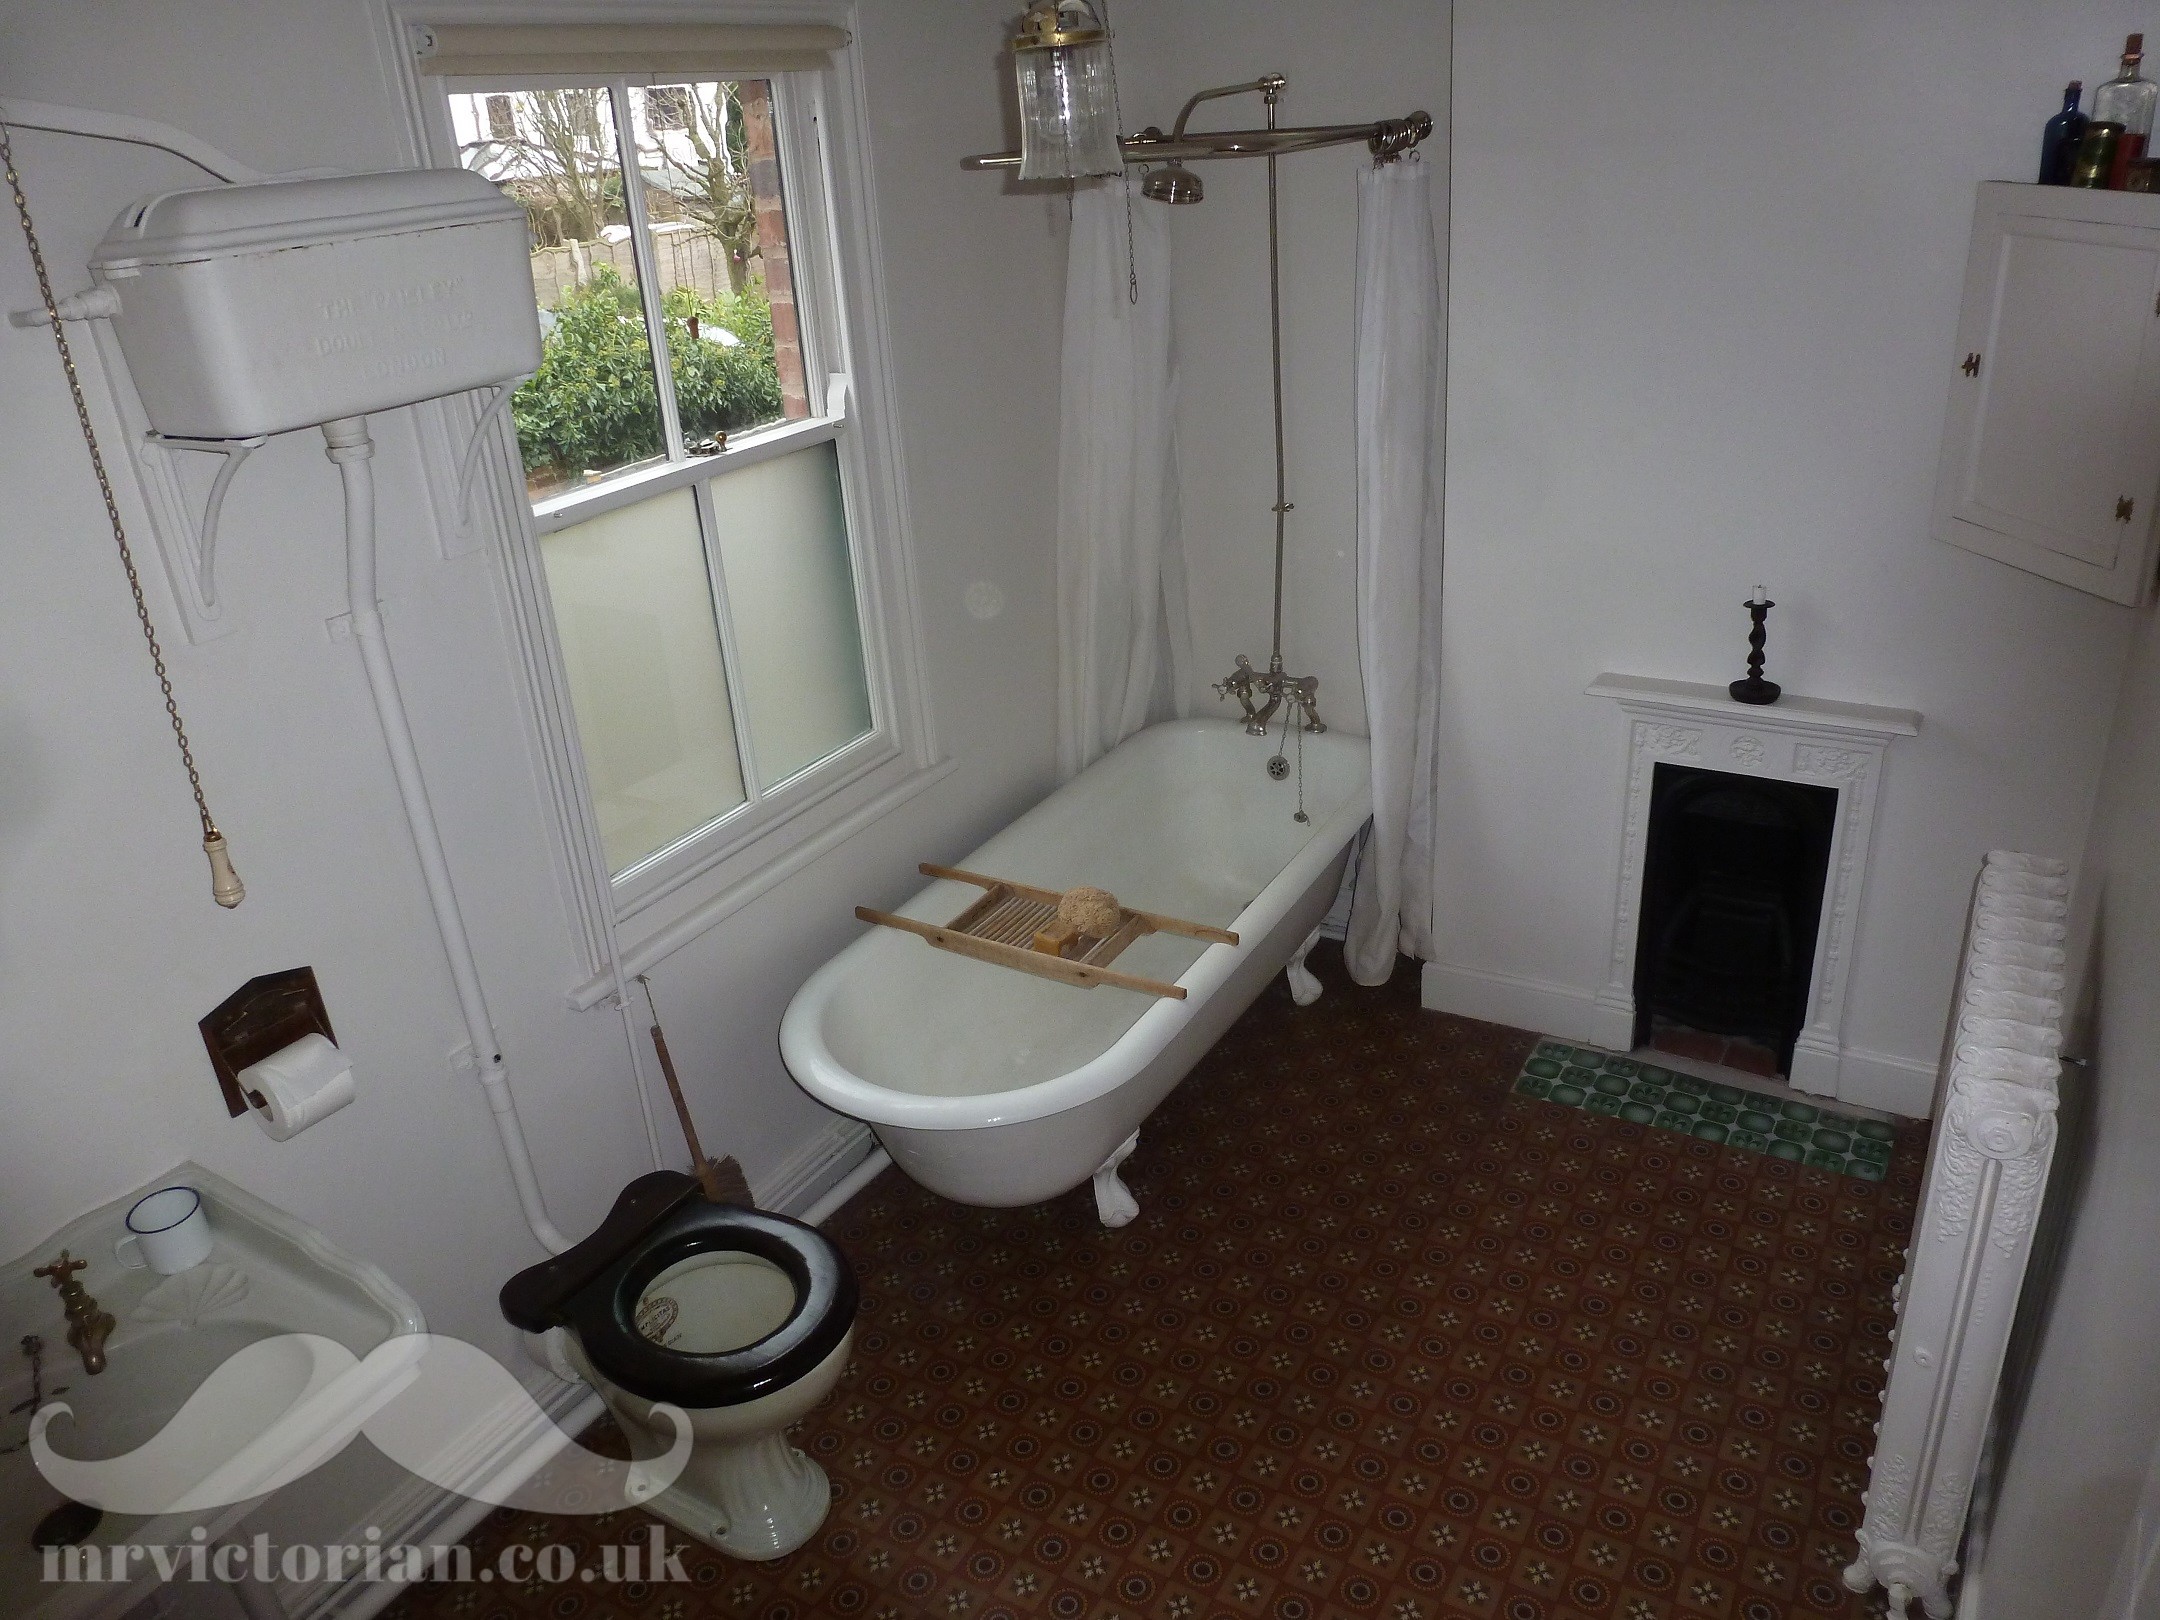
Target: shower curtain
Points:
(1124, 639)
(1399, 418)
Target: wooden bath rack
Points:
(1016, 926)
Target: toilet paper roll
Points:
(299, 1085)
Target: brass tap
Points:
(1245, 683)
(1241, 683)
(88, 1327)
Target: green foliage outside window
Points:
(592, 403)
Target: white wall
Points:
(1706, 273)
(1377, 59)
(2087, 1433)
(109, 946)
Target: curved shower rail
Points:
(1387, 138)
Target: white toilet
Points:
(743, 1319)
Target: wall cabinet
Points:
(2051, 447)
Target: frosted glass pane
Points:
(791, 595)
(634, 611)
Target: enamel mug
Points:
(167, 1231)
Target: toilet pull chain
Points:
(225, 885)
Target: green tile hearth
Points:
(1648, 1094)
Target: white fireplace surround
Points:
(1797, 739)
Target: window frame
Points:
(630, 919)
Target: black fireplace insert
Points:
(1732, 895)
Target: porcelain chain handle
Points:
(225, 885)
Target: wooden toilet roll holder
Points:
(263, 1016)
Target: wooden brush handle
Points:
(708, 1181)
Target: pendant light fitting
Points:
(1068, 93)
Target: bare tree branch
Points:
(561, 168)
(717, 194)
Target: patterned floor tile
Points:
(1649, 1094)
(1391, 1338)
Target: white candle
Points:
(1760, 597)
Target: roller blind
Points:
(657, 50)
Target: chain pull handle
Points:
(225, 885)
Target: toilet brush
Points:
(721, 1180)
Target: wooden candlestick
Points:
(1755, 689)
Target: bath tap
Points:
(88, 1327)
(1304, 691)
(1301, 691)
(1240, 683)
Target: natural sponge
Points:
(1093, 911)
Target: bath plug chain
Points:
(1301, 816)
(225, 885)
(1278, 768)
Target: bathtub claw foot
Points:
(1114, 1202)
(1304, 988)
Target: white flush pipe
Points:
(351, 448)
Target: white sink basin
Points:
(267, 1275)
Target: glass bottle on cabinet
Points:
(2059, 140)
(2127, 100)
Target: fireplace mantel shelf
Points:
(1788, 712)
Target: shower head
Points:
(1172, 183)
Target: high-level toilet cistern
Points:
(741, 1318)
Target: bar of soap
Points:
(1056, 938)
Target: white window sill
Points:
(622, 489)
(787, 850)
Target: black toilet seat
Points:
(659, 1220)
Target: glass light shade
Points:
(1068, 111)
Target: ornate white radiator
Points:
(1987, 1168)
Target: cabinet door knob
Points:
(2123, 508)
(1971, 367)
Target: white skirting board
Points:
(1880, 1080)
(1508, 998)
(815, 1168)
(1877, 1080)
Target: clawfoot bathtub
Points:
(998, 1088)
